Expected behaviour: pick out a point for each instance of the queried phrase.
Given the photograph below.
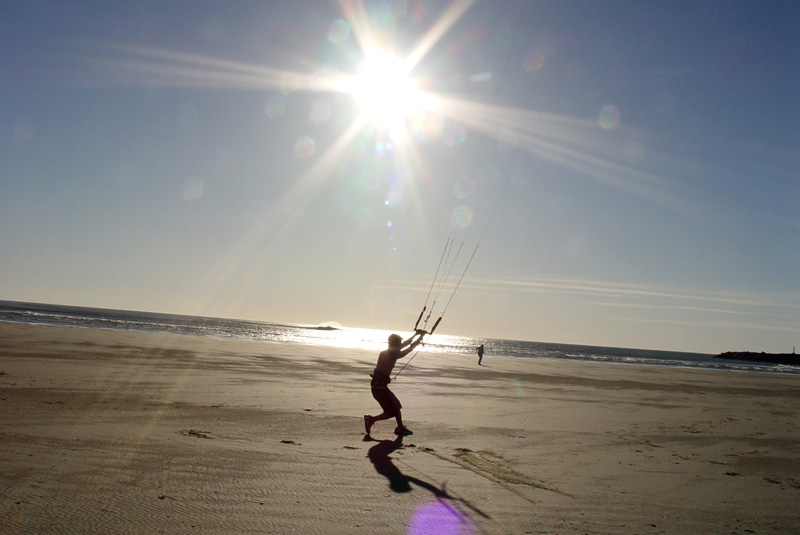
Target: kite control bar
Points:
(420, 332)
(416, 325)
(423, 331)
(419, 318)
(435, 325)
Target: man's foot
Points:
(403, 431)
(368, 421)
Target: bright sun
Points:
(385, 92)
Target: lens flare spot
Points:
(609, 117)
(534, 60)
(437, 517)
(339, 31)
(320, 112)
(418, 11)
(276, 105)
(304, 147)
(462, 217)
(382, 148)
(454, 135)
(428, 126)
(193, 189)
(516, 384)
(481, 77)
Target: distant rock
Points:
(776, 358)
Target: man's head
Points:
(395, 341)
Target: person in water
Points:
(479, 349)
(382, 376)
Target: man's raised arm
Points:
(411, 343)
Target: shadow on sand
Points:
(400, 482)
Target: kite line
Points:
(445, 267)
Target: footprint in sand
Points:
(493, 467)
(195, 433)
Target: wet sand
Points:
(122, 432)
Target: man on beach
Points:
(382, 376)
(479, 349)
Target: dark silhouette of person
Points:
(479, 349)
(379, 456)
(382, 376)
(398, 481)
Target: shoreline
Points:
(131, 432)
(61, 315)
(754, 366)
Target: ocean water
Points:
(340, 336)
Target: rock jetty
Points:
(776, 358)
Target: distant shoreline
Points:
(776, 358)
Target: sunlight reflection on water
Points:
(368, 339)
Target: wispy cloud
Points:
(738, 325)
(628, 295)
(632, 291)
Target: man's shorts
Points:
(388, 401)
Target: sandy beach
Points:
(124, 432)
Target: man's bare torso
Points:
(386, 360)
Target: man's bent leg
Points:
(401, 430)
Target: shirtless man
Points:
(382, 376)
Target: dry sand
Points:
(122, 432)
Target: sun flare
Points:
(384, 90)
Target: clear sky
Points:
(629, 171)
